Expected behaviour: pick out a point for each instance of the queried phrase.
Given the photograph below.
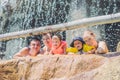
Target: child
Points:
(91, 45)
(76, 46)
(58, 45)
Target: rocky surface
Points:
(61, 67)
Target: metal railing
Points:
(64, 26)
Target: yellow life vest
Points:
(72, 49)
(87, 48)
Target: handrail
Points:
(106, 19)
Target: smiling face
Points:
(89, 38)
(55, 42)
(78, 44)
(46, 40)
(35, 46)
(90, 41)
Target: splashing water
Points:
(27, 14)
(104, 7)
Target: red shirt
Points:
(61, 49)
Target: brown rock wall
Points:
(61, 67)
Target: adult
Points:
(47, 41)
(92, 45)
(33, 49)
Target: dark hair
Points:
(44, 34)
(59, 36)
(76, 38)
(33, 38)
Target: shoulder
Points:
(101, 43)
(64, 43)
(102, 47)
(23, 52)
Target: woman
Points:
(47, 41)
(92, 45)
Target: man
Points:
(33, 49)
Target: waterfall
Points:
(91, 8)
(17, 15)
(104, 7)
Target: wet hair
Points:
(48, 34)
(59, 36)
(76, 38)
(88, 33)
(33, 38)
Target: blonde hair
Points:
(88, 33)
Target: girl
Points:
(47, 41)
(58, 45)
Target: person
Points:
(47, 41)
(58, 45)
(118, 47)
(76, 46)
(33, 49)
(91, 45)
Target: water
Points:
(17, 15)
(104, 7)
(27, 14)
(91, 8)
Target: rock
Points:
(62, 67)
(108, 71)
